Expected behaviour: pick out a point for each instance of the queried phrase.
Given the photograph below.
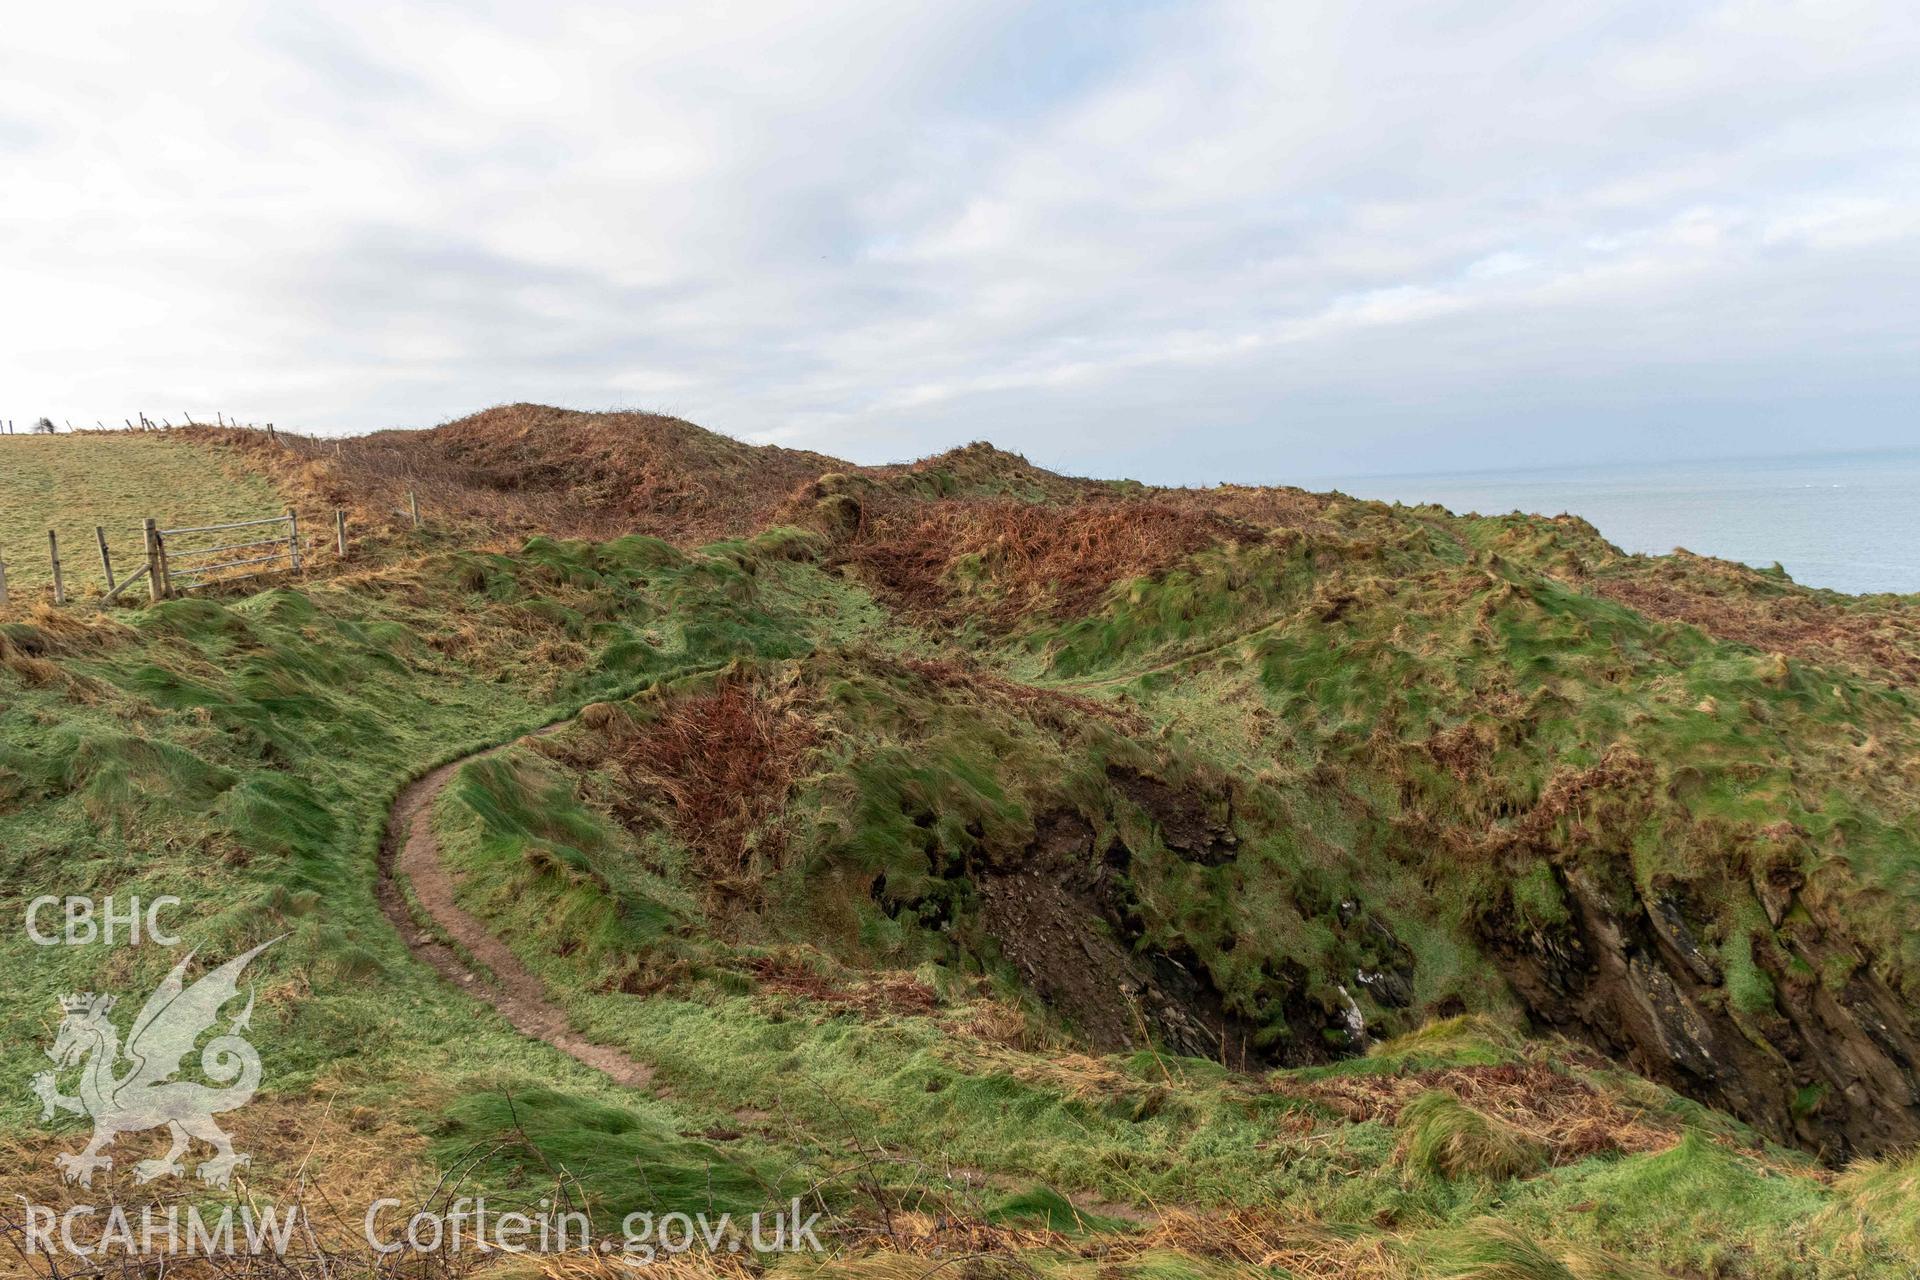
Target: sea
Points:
(1846, 521)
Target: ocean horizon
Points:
(1845, 521)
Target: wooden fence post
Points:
(156, 586)
(106, 561)
(340, 529)
(413, 507)
(293, 536)
(3, 584)
(53, 554)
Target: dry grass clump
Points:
(1562, 1114)
(887, 992)
(690, 1266)
(914, 1244)
(1000, 559)
(1002, 1024)
(1272, 508)
(1492, 1250)
(1442, 1137)
(1876, 1208)
(330, 1160)
(1263, 1241)
(1600, 794)
(28, 649)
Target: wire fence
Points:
(173, 562)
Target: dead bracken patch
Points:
(1271, 508)
(723, 762)
(1004, 559)
(1795, 623)
(525, 468)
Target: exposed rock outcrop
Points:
(1829, 1066)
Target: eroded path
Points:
(410, 853)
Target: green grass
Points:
(1412, 739)
(242, 757)
(70, 483)
(1442, 1137)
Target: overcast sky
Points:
(1253, 239)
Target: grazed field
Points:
(70, 483)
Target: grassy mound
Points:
(1444, 1138)
(1074, 876)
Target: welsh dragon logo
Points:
(143, 1094)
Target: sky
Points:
(1253, 240)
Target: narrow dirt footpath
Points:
(410, 850)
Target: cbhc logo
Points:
(115, 925)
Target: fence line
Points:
(141, 422)
(160, 556)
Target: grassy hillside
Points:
(1043, 876)
(70, 483)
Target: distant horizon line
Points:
(1597, 466)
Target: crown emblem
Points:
(85, 1001)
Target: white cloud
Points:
(1197, 237)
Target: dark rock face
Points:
(1064, 918)
(1829, 1071)
(1196, 827)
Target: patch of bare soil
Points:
(411, 851)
